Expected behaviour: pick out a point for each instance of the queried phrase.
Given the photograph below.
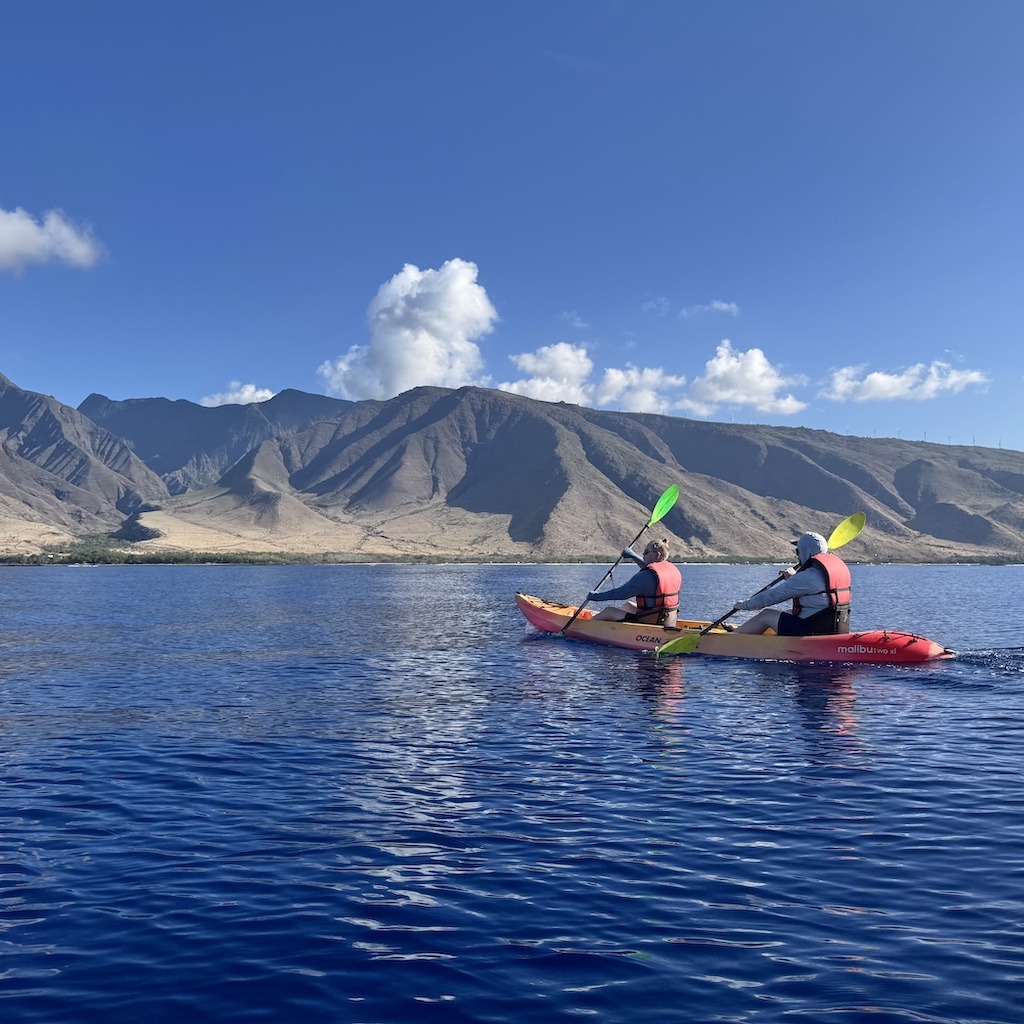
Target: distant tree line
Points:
(105, 549)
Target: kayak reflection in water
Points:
(819, 590)
(651, 595)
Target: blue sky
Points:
(800, 213)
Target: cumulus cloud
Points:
(423, 330)
(638, 390)
(24, 240)
(714, 306)
(564, 373)
(558, 373)
(425, 324)
(918, 382)
(238, 394)
(741, 378)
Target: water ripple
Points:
(287, 809)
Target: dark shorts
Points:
(646, 619)
(819, 624)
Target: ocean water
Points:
(373, 794)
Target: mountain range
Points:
(475, 473)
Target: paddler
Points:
(654, 590)
(819, 590)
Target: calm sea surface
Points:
(372, 794)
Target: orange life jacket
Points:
(670, 581)
(837, 589)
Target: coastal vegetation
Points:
(105, 549)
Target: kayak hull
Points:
(881, 646)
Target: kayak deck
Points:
(882, 646)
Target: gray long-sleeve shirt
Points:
(807, 584)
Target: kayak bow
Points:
(882, 646)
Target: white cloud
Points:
(559, 373)
(714, 306)
(566, 373)
(638, 390)
(574, 320)
(24, 240)
(741, 378)
(238, 394)
(917, 382)
(563, 373)
(423, 326)
(658, 306)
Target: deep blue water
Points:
(372, 794)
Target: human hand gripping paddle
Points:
(849, 528)
(662, 509)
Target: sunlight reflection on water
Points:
(371, 793)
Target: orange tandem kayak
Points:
(882, 646)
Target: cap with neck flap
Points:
(809, 545)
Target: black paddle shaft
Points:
(603, 578)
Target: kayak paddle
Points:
(849, 528)
(846, 531)
(662, 509)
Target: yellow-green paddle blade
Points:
(681, 645)
(664, 506)
(846, 530)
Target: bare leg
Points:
(767, 618)
(616, 614)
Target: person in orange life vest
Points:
(654, 590)
(819, 590)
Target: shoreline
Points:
(207, 558)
